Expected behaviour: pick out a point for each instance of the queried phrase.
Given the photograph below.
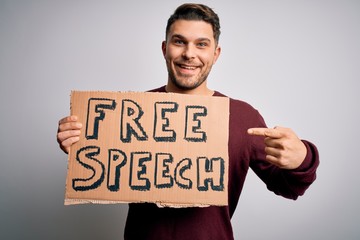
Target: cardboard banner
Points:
(165, 148)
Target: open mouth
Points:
(187, 67)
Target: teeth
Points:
(188, 67)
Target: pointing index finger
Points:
(265, 132)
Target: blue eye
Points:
(202, 44)
(179, 42)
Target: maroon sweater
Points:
(147, 221)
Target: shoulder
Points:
(241, 111)
(237, 105)
(160, 89)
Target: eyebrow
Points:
(184, 38)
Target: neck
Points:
(200, 90)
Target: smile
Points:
(187, 67)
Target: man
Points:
(285, 163)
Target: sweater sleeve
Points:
(287, 183)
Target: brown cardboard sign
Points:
(164, 148)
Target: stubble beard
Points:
(184, 84)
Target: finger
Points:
(65, 149)
(66, 144)
(72, 118)
(70, 141)
(265, 132)
(274, 142)
(273, 152)
(69, 126)
(273, 160)
(62, 136)
(274, 156)
(280, 161)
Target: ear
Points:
(163, 48)
(217, 54)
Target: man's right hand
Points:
(68, 132)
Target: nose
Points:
(189, 52)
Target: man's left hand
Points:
(283, 147)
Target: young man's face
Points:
(190, 51)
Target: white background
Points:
(297, 62)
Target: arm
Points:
(284, 162)
(68, 132)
